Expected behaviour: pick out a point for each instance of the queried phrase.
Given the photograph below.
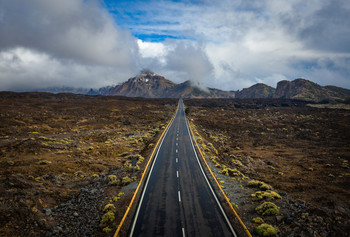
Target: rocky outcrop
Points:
(259, 90)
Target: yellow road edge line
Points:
(211, 172)
(143, 175)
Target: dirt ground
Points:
(301, 151)
(65, 157)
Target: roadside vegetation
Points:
(69, 162)
(283, 164)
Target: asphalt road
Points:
(177, 199)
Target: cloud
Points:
(228, 44)
(255, 41)
(74, 39)
(190, 60)
(328, 29)
(26, 69)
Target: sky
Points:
(226, 44)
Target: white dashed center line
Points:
(183, 232)
(178, 192)
(177, 174)
(177, 160)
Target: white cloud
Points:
(151, 49)
(66, 42)
(23, 69)
(256, 41)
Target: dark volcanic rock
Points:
(306, 90)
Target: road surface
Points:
(177, 199)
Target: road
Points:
(177, 199)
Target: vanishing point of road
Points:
(177, 199)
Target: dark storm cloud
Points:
(328, 28)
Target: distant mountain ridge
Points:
(301, 89)
(151, 85)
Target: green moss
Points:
(108, 217)
(115, 199)
(258, 184)
(109, 207)
(267, 209)
(266, 195)
(234, 205)
(237, 162)
(126, 180)
(257, 220)
(106, 229)
(112, 180)
(266, 230)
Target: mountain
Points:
(259, 90)
(63, 89)
(301, 89)
(307, 90)
(151, 85)
(146, 84)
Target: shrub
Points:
(108, 217)
(107, 229)
(112, 179)
(267, 209)
(266, 195)
(265, 230)
(126, 180)
(258, 184)
(237, 162)
(234, 205)
(109, 207)
(139, 158)
(257, 220)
